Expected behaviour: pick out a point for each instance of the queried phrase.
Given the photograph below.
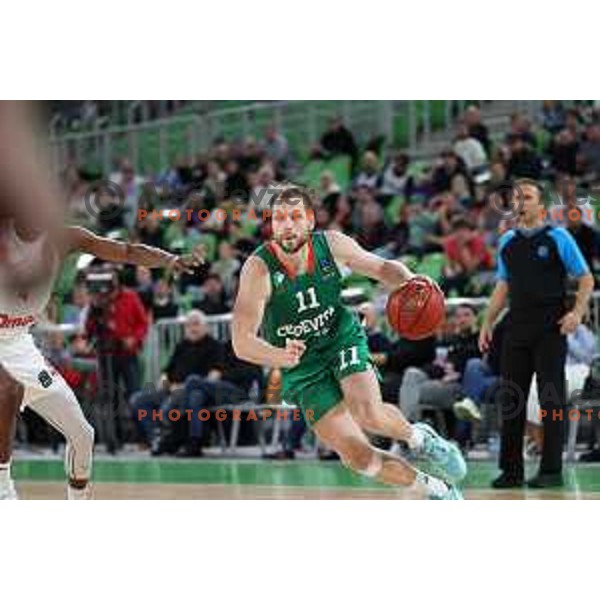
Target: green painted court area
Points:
(173, 477)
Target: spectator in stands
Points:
(76, 311)
(470, 150)
(130, 186)
(565, 199)
(370, 226)
(448, 168)
(213, 187)
(402, 355)
(445, 388)
(399, 234)
(214, 300)
(338, 140)
(585, 236)
(263, 188)
(590, 153)
(163, 301)
(144, 286)
(573, 123)
(117, 323)
(342, 214)
(552, 116)
(329, 190)
(480, 376)
(466, 255)
(563, 152)
(379, 343)
(197, 354)
(236, 182)
(476, 128)
(395, 180)
(151, 231)
(226, 267)
(520, 126)
(369, 175)
(251, 156)
(276, 147)
(524, 161)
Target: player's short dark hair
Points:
(288, 191)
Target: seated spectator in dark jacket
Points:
(197, 354)
(236, 382)
(402, 355)
(479, 377)
(524, 161)
(443, 388)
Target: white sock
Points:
(427, 485)
(78, 493)
(4, 473)
(416, 439)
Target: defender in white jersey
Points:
(21, 302)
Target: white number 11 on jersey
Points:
(312, 296)
(353, 350)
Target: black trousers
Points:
(528, 350)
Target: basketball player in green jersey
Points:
(292, 287)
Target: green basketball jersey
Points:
(308, 306)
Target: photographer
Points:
(117, 324)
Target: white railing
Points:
(165, 334)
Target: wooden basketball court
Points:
(148, 478)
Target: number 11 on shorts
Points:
(353, 352)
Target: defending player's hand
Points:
(568, 324)
(188, 262)
(292, 353)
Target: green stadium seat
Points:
(340, 166)
(311, 173)
(392, 210)
(432, 265)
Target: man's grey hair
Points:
(195, 315)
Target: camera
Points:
(100, 283)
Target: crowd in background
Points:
(442, 215)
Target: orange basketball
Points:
(417, 308)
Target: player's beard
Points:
(292, 245)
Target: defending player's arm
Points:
(392, 273)
(83, 240)
(253, 294)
